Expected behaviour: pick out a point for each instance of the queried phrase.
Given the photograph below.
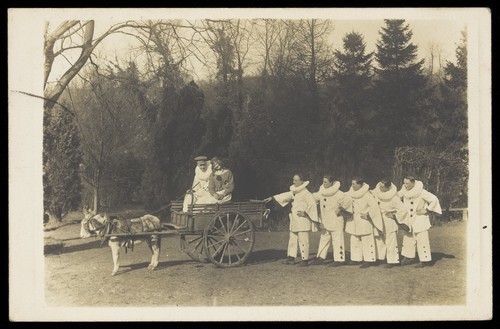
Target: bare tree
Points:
(109, 120)
(230, 42)
(315, 57)
(284, 49)
(267, 34)
(435, 66)
(67, 37)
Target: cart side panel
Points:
(199, 215)
(253, 211)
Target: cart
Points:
(223, 234)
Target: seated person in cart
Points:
(199, 188)
(220, 186)
(220, 183)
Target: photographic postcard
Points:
(75, 284)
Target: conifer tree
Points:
(399, 83)
(61, 162)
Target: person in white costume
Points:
(199, 188)
(365, 216)
(303, 218)
(419, 203)
(394, 215)
(220, 184)
(332, 202)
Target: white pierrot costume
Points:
(199, 187)
(331, 201)
(363, 202)
(360, 229)
(389, 202)
(302, 200)
(416, 200)
(200, 181)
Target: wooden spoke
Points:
(240, 226)
(233, 246)
(214, 244)
(218, 250)
(236, 220)
(216, 229)
(244, 232)
(222, 225)
(241, 248)
(194, 247)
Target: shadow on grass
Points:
(161, 265)
(74, 248)
(52, 227)
(265, 256)
(438, 256)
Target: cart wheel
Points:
(192, 244)
(228, 238)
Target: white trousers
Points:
(381, 248)
(188, 199)
(421, 242)
(363, 248)
(300, 239)
(391, 245)
(326, 239)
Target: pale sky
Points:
(446, 33)
(441, 30)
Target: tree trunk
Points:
(96, 199)
(53, 94)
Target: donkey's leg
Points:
(154, 245)
(115, 251)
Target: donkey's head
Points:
(92, 224)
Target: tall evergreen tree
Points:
(348, 107)
(61, 161)
(399, 83)
(353, 65)
(176, 139)
(454, 128)
(456, 74)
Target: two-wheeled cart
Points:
(223, 234)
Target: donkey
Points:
(104, 227)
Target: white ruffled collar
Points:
(297, 189)
(359, 193)
(414, 192)
(387, 195)
(329, 191)
(203, 175)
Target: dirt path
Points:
(80, 276)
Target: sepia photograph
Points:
(221, 164)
